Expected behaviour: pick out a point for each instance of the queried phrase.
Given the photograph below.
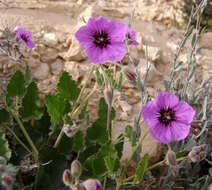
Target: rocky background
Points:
(54, 22)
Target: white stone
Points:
(50, 39)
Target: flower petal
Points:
(184, 112)
(166, 100)
(116, 51)
(149, 113)
(179, 130)
(161, 133)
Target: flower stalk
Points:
(26, 134)
(76, 108)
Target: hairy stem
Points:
(17, 138)
(25, 134)
(72, 114)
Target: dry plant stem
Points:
(17, 138)
(76, 107)
(25, 134)
(193, 51)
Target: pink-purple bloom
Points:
(131, 34)
(25, 36)
(103, 40)
(168, 118)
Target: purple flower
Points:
(25, 36)
(168, 118)
(103, 40)
(92, 184)
(131, 35)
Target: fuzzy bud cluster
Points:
(198, 153)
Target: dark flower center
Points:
(101, 39)
(24, 38)
(166, 116)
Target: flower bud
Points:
(108, 94)
(76, 168)
(131, 76)
(175, 170)
(7, 180)
(172, 158)
(198, 153)
(92, 184)
(67, 178)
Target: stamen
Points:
(101, 39)
(166, 116)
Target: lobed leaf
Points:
(16, 84)
(30, 108)
(131, 135)
(4, 116)
(57, 106)
(67, 87)
(4, 147)
(141, 169)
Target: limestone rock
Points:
(41, 72)
(153, 74)
(206, 40)
(50, 39)
(49, 55)
(75, 52)
(153, 53)
(57, 67)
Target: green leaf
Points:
(67, 87)
(4, 116)
(28, 76)
(65, 146)
(141, 169)
(131, 135)
(191, 73)
(57, 106)
(97, 132)
(4, 147)
(102, 112)
(83, 111)
(16, 84)
(104, 158)
(50, 174)
(120, 145)
(193, 40)
(112, 164)
(30, 108)
(178, 66)
(166, 84)
(78, 141)
(99, 77)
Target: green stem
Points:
(134, 151)
(118, 186)
(72, 114)
(17, 138)
(105, 181)
(26, 134)
(85, 84)
(131, 157)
